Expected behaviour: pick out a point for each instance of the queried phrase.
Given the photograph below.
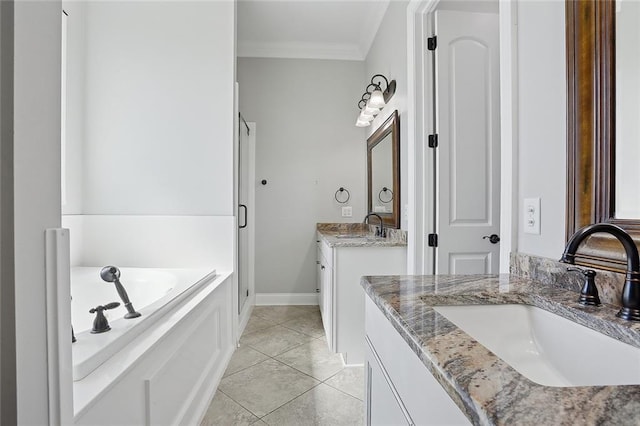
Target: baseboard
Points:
(286, 299)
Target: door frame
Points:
(422, 191)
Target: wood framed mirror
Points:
(593, 170)
(383, 171)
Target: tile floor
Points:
(284, 374)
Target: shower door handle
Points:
(245, 216)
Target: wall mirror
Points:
(603, 145)
(383, 171)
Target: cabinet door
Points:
(383, 408)
(328, 308)
(424, 400)
(319, 284)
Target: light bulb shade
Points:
(362, 123)
(364, 116)
(370, 110)
(376, 100)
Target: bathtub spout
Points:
(111, 274)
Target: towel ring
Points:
(341, 190)
(385, 189)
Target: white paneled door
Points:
(468, 126)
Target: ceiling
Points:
(315, 29)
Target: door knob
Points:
(493, 238)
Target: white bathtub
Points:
(153, 292)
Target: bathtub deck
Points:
(284, 373)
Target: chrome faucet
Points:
(631, 291)
(111, 274)
(380, 231)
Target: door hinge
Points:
(432, 43)
(433, 141)
(433, 240)
(247, 293)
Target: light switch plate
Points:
(531, 216)
(347, 211)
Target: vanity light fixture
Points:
(366, 115)
(374, 99)
(362, 123)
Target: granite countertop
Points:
(359, 235)
(487, 389)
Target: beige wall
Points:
(388, 56)
(542, 123)
(307, 146)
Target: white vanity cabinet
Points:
(400, 390)
(341, 297)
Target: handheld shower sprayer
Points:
(111, 274)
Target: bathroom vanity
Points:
(424, 367)
(346, 252)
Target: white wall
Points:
(37, 36)
(388, 56)
(542, 122)
(159, 108)
(73, 148)
(306, 148)
(150, 132)
(152, 241)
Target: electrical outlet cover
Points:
(531, 216)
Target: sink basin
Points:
(546, 348)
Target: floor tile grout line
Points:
(281, 321)
(273, 357)
(258, 331)
(244, 368)
(280, 353)
(299, 331)
(302, 372)
(286, 350)
(258, 350)
(294, 398)
(260, 418)
(295, 368)
(277, 360)
(268, 358)
(249, 411)
(281, 362)
(305, 392)
(278, 325)
(340, 390)
(333, 375)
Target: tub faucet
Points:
(100, 323)
(631, 291)
(111, 274)
(380, 231)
